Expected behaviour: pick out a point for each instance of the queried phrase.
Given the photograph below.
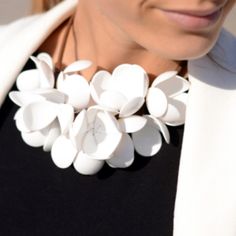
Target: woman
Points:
(159, 36)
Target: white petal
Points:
(60, 80)
(53, 133)
(97, 108)
(146, 85)
(123, 157)
(132, 124)
(92, 113)
(38, 115)
(24, 98)
(112, 100)
(79, 123)
(20, 123)
(163, 77)
(171, 83)
(77, 66)
(79, 128)
(46, 73)
(147, 141)
(131, 107)
(19, 113)
(52, 95)
(46, 58)
(162, 127)
(99, 83)
(34, 139)
(131, 80)
(86, 165)
(65, 117)
(93, 110)
(156, 102)
(63, 152)
(103, 117)
(174, 86)
(28, 80)
(103, 137)
(175, 114)
(77, 89)
(100, 146)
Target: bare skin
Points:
(138, 32)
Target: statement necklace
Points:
(87, 124)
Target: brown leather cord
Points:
(59, 65)
(183, 69)
(75, 42)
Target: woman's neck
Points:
(96, 38)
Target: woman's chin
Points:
(190, 51)
(193, 54)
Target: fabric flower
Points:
(42, 116)
(92, 140)
(166, 99)
(123, 91)
(40, 78)
(44, 112)
(75, 86)
(123, 157)
(166, 102)
(69, 82)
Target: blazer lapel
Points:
(206, 192)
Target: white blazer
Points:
(206, 191)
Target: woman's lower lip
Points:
(193, 22)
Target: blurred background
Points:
(14, 9)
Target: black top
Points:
(37, 198)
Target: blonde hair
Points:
(43, 5)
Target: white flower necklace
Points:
(86, 124)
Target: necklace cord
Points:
(75, 41)
(64, 41)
